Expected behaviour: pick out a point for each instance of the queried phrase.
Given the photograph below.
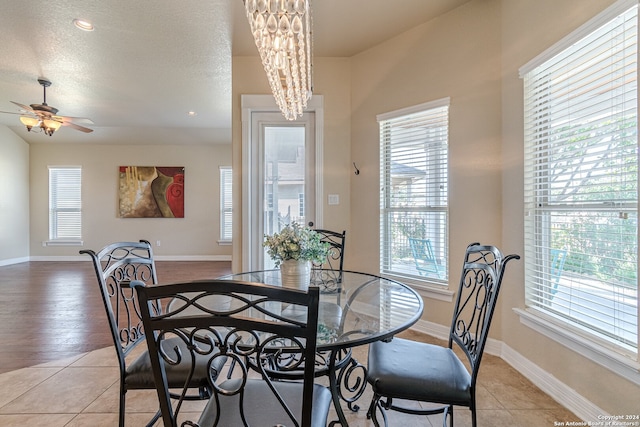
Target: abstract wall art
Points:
(151, 191)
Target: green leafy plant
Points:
(297, 242)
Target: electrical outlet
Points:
(157, 242)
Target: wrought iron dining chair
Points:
(416, 371)
(328, 275)
(115, 265)
(251, 327)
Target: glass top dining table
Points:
(363, 308)
(355, 310)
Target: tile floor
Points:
(83, 392)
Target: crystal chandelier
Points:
(282, 31)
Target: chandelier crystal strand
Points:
(282, 33)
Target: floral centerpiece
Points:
(293, 249)
(295, 242)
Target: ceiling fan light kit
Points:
(282, 32)
(44, 118)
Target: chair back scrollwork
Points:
(480, 283)
(328, 275)
(243, 323)
(114, 265)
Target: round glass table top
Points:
(358, 309)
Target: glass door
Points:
(285, 162)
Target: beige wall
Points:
(14, 197)
(456, 56)
(194, 237)
(528, 28)
(472, 55)
(332, 81)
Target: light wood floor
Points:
(53, 310)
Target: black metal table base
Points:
(347, 383)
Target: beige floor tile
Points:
(68, 391)
(98, 420)
(110, 420)
(83, 392)
(488, 417)
(62, 363)
(35, 420)
(103, 357)
(486, 400)
(15, 383)
(537, 417)
(135, 400)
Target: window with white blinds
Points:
(581, 178)
(414, 192)
(226, 204)
(65, 203)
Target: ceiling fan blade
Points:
(17, 114)
(77, 127)
(64, 119)
(24, 107)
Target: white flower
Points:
(296, 242)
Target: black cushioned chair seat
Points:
(140, 373)
(424, 372)
(264, 409)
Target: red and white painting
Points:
(151, 191)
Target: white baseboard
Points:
(13, 261)
(157, 258)
(193, 258)
(566, 396)
(559, 391)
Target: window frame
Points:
(573, 334)
(226, 204)
(432, 120)
(55, 233)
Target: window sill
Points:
(607, 355)
(62, 243)
(225, 242)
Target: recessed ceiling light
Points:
(83, 25)
(192, 113)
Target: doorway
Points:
(282, 183)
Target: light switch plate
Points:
(334, 199)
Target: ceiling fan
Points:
(44, 117)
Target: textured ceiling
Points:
(150, 62)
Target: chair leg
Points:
(122, 404)
(373, 407)
(448, 414)
(155, 418)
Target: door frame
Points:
(261, 104)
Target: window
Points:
(301, 205)
(413, 191)
(65, 204)
(581, 171)
(226, 204)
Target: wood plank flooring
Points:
(53, 310)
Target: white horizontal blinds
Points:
(414, 185)
(65, 203)
(226, 203)
(581, 193)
